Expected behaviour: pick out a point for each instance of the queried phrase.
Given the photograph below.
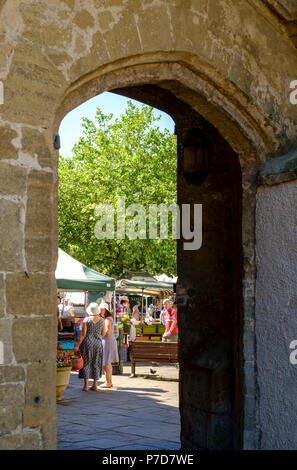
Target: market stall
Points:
(71, 275)
(144, 285)
(78, 282)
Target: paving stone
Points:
(135, 415)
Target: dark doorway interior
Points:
(209, 291)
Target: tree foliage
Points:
(129, 156)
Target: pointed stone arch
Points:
(245, 131)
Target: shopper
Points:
(71, 312)
(63, 308)
(110, 347)
(135, 312)
(60, 324)
(170, 318)
(162, 321)
(91, 348)
(60, 306)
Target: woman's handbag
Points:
(77, 362)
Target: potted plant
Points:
(64, 365)
(125, 324)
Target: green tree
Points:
(129, 156)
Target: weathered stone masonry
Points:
(222, 69)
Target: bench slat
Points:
(155, 356)
(155, 351)
(159, 347)
(154, 343)
(171, 361)
(149, 351)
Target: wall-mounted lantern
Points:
(56, 141)
(195, 157)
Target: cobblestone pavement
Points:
(137, 414)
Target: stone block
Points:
(10, 418)
(6, 339)
(31, 92)
(196, 386)
(34, 339)
(220, 432)
(49, 433)
(84, 20)
(69, 3)
(40, 393)
(32, 440)
(41, 222)
(39, 254)
(105, 19)
(43, 31)
(33, 416)
(119, 42)
(86, 62)
(209, 390)
(41, 380)
(39, 206)
(11, 442)
(11, 236)
(2, 293)
(34, 294)
(7, 150)
(11, 394)
(104, 4)
(34, 142)
(194, 427)
(11, 374)
(158, 34)
(12, 180)
(59, 57)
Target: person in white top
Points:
(135, 312)
(60, 307)
(64, 308)
(109, 342)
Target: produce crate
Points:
(126, 327)
(67, 344)
(142, 338)
(138, 329)
(149, 329)
(161, 329)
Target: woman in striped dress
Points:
(91, 348)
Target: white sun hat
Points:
(93, 309)
(104, 305)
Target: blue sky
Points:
(70, 128)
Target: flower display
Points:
(63, 358)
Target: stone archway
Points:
(167, 87)
(57, 54)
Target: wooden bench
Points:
(152, 351)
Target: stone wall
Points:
(276, 308)
(28, 307)
(232, 62)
